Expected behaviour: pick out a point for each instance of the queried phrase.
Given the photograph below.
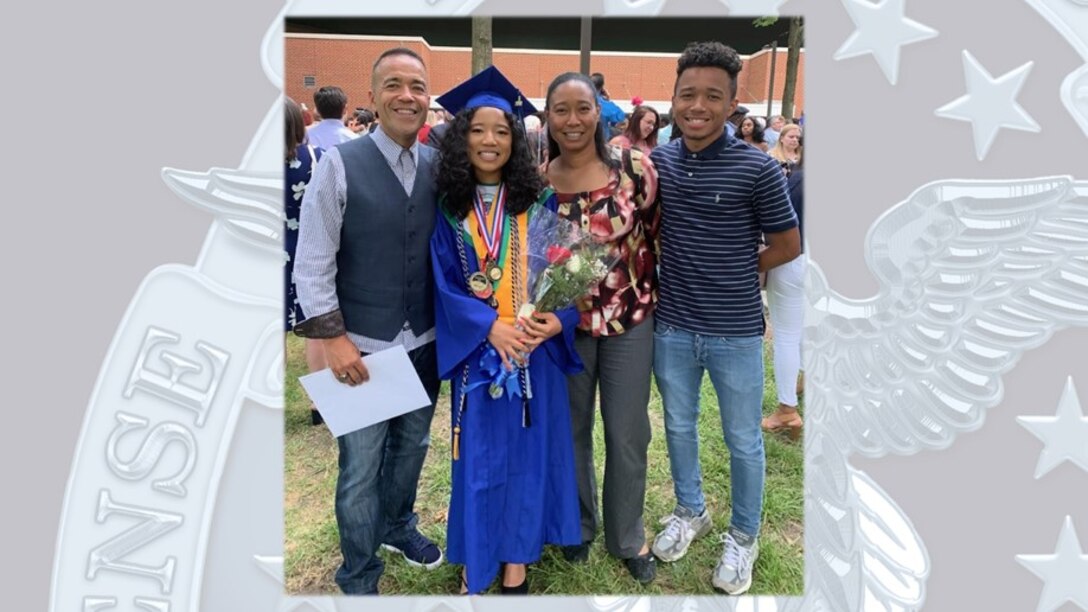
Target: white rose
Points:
(574, 264)
(526, 311)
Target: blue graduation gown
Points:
(514, 487)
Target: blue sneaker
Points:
(418, 551)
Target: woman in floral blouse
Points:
(299, 159)
(610, 191)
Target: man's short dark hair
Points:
(710, 54)
(364, 116)
(390, 53)
(330, 101)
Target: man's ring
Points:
(343, 376)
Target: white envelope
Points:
(394, 389)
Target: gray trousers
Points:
(621, 365)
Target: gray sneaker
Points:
(734, 572)
(681, 529)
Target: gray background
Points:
(102, 96)
(98, 98)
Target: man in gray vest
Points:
(362, 269)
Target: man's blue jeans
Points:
(376, 490)
(735, 365)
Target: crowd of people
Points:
(408, 226)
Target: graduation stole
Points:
(499, 381)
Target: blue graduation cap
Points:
(488, 88)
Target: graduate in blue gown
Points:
(514, 487)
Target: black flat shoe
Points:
(579, 553)
(643, 568)
(521, 589)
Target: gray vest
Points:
(384, 275)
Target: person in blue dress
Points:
(513, 481)
(299, 160)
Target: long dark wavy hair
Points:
(600, 137)
(757, 130)
(456, 180)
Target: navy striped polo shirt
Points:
(714, 205)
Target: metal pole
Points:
(585, 44)
(770, 88)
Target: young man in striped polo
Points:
(718, 195)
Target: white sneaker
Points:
(681, 529)
(734, 572)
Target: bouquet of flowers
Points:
(565, 263)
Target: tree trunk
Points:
(585, 45)
(481, 44)
(793, 56)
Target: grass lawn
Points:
(312, 552)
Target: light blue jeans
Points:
(376, 488)
(735, 365)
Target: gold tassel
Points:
(456, 443)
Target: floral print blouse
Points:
(296, 175)
(625, 214)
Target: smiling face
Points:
(398, 90)
(701, 104)
(573, 115)
(489, 143)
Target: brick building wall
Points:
(756, 78)
(346, 61)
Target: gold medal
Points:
(479, 285)
(494, 272)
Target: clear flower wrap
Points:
(565, 262)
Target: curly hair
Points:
(757, 130)
(600, 136)
(711, 54)
(456, 179)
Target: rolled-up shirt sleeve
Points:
(319, 237)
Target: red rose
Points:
(558, 254)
